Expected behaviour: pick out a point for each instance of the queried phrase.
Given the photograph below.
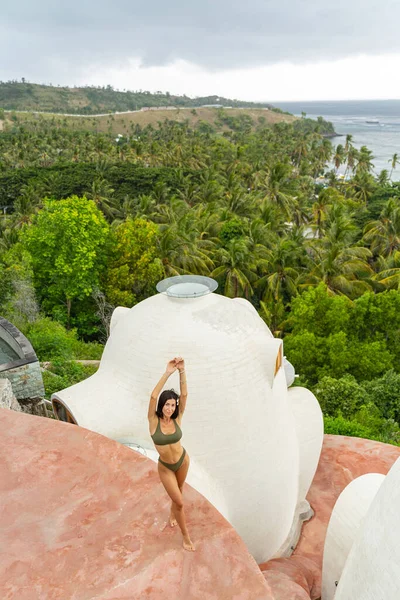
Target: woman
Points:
(164, 424)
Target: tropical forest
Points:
(277, 209)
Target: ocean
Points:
(382, 136)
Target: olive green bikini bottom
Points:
(174, 466)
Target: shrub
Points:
(330, 336)
(342, 395)
(381, 430)
(341, 426)
(88, 350)
(50, 339)
(62, 374)
(230, 230)
(385, 394)
(386, 430)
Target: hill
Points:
(21, 96)
(214, 118)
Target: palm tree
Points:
(28, 203)
(280, 271)
(8, 238)
(339, 157)
(383, 235)
(237, 271)
(322, 150)
(388, 271)
(393, 162)
(362, 186)
(301, 150)
(352, 157)
(275, 188)
(349, 139)
(181, 247)
(335, 260)
(344, 270)
(365, 158)
(383, 178)
(101, 193)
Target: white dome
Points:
(238, 427)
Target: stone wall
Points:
(26, 381)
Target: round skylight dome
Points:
(187, 286)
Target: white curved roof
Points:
(238, 428)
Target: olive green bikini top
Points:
(162, 439)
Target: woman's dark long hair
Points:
(164, 396)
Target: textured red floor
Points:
(84, 518)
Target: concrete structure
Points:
(19, 364)
(249, 454)
(343, 460)
(372, 568)
(346, 519)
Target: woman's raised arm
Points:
(171, 368)
(180, 365)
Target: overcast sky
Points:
(255, 50)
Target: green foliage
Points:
(341, 426)
(88, 350)
(317, 259)
(369, 409)
(310, 125)
(230, 230)
(318, 312)
(343, 395)
(67, 242)
(89, 99)
(385, 394)
(134, 267)
(6, 285)
(279, 111)
(377, 317)
(367, 424)
(62, 374)
(18, 302)
(50, 339)
(75, 178)
(329, 338)
(205, 127)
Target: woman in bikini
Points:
(164, 424)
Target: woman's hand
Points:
(180, 363)
(171, 367)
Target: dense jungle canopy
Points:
(91, 221)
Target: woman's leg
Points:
(180, 477)
(170, 483)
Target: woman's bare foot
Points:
(188, 544)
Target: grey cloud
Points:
(45, 41)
